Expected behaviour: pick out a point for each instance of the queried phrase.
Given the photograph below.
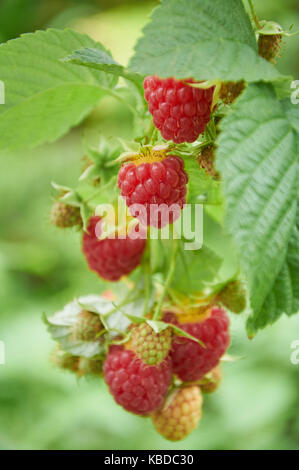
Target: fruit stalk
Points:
(168, 279)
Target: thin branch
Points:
(253, 14)
(168, 280)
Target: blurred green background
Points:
(41, 268)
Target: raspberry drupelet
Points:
(180, 112)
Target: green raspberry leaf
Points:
(222, 245)
(134, 318)
(99, 60)
(202, 187)
(292, 112)
(45, 97)
(284, 295)
(202, 39)
(159, 326)
(257, 157)
(195, 269)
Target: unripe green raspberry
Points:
(64, 360)
(88, 367)
(149, 346)
(233, 297)
(180, 414)
(87, 327)
(65, 216)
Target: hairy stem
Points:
(147, 276)
(253, 14)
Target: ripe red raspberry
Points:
(137, 387)
(158, 184)
(180, 414)
(190, 360)
(111, 258)
(180, 112)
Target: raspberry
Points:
(269, 46)
(180, 112)
(191, 361)
(87, 327)
(180, 415)
(77, 364)
(137, 387)
(90, 367)
(65, 216)
(233, 297)
(152, 348)
(111, 258)
(64, 360)
(157, 183)
(211, 381)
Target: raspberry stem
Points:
(99, 190)
(147, 276)
(127, 300)
(128, 105)
(168, 279)
(253, 14)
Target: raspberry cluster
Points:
(181, 112)
(111, 258)
(149, 366)
(139, 373)
(157, 185)
(156, 374)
